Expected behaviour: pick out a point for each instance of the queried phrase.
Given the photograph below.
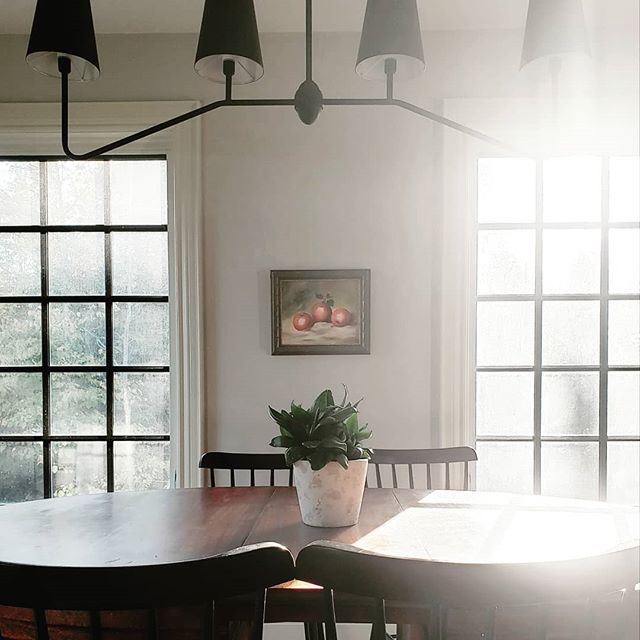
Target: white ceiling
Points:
(183, 16)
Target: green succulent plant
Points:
(325, 432)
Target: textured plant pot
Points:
(332, 496)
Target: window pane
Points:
(75, 192)
(572, 189)
(504, 404)
(624, 403)
(505, 466)
(20, 264)
(78, 467)
(139, 263)
(20, 334)
(141, 465)
(138, 191)
(570, 404)
(624, 261)
(506, 262)
(624, 332)
(506, 190)
(624, 189)
(570, 469)
(570, 333)
(571, 261)
(78, 403)
(76, 264)
(20, 403)
(505, 333)
(623, 472)
(141, 403)
(141, 333)
(20, 471)
(77, 333)
(19, 193)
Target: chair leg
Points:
(379, 627)
(311, 631)
(329, 614)
(491, 623)
(96, 626)
(261, 605)
(437, 623)
(42, 630)
(412, 632)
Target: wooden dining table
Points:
(154, 527)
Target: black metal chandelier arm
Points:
(308, 31)
(430, 115)
(452, 124)
(184, 117)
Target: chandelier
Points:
(62, 44)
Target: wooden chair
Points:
(196, 583)
(251, 462)
(492, 587)
(422, 457)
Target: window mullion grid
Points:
(537, 341)
(108, 287)
(44, 290)
(604, 335)
(44, 300)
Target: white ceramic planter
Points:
(332, 496)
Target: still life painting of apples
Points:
(320, 311)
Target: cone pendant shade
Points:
(391, 29)
(554, 28)
(229, 32)
(64, 28)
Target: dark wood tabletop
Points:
(169, 526)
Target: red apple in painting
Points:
(302, 321)
(321, 312)
(341, 317)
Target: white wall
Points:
(360, 188)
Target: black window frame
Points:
(108, 299)
(603, 368)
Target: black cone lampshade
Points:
(391, 29)
(229, 32)
(64, 28)
(554, 28)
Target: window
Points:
(558, 327)
(84, 326)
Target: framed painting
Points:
(320, 312)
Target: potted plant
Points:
(324, 445)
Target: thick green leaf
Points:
(330, 430)
(351, 424)
(319, 458)
(342, 460)
(333, 443)
(282, 441)
(276, 415)
(294, 454)
(324, 400)
(344, 414)
(299, 413)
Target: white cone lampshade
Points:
(554, 28)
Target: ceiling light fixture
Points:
(62, 44)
